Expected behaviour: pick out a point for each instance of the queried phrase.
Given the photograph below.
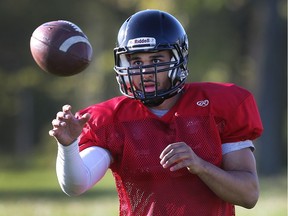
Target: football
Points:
(61, 48)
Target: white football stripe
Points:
(71, 41)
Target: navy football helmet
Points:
(151, 31)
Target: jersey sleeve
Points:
(89, 138)
(243, 122)
(100, 131)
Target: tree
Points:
(270, 52)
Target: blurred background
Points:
(239, 41)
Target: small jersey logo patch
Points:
(203, 103)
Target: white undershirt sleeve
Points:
(235, 146)
(78, 171)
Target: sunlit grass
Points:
(51, 207)
(36, 192)
(273, 198)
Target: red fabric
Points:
(207, 115)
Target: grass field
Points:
(36, 193)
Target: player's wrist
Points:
(198, 168)
(66, 142)
(67, 150)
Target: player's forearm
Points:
(78, 172)
(236, 187)
(72, 175)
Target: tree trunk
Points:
(270, 47)
(24, 124)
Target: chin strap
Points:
(154, 102)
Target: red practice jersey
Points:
(206, 116)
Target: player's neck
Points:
(168, 103)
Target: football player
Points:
(174, 148)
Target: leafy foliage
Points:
(222, 37)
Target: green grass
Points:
(273, 198)
(36, 192)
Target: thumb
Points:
(84, 119)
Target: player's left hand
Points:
(179, 155)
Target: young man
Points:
(174, 148)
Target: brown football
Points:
(61, 48)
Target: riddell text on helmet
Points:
(142, 41)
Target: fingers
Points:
(176, 156)
(83, 119)
(67, 108)
(67, 115)
(63, 126)
(62, 118)
(171, 149)
(51, 133)
(66, 126)
(57, 124)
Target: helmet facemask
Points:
(175, 70)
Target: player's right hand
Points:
(66, 127)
